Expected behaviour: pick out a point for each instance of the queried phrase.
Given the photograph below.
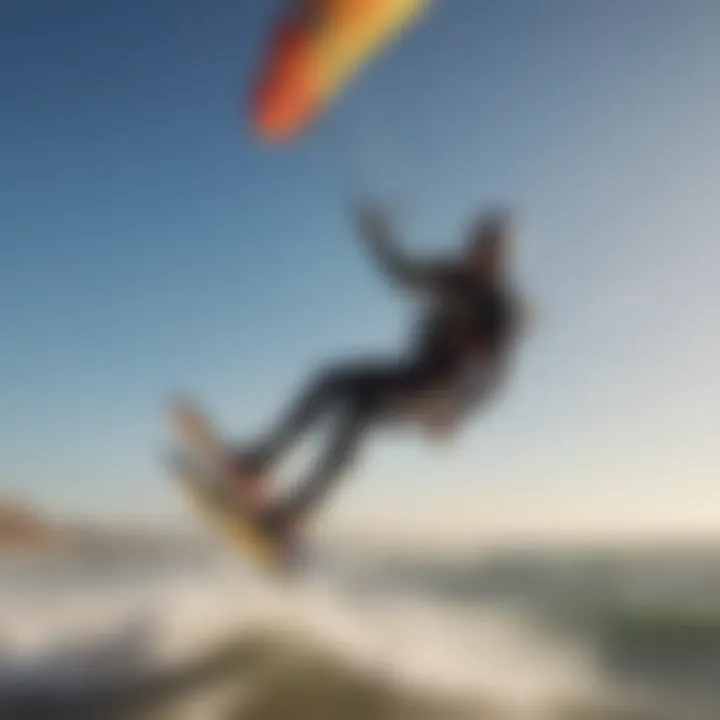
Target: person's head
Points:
(487, 246)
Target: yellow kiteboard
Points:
(206, 474)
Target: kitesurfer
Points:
(457, 360)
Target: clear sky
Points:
(150, 245)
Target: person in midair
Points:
(457, 360)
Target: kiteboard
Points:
(209, 478)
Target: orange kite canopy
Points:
(314, 51)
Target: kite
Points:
(314, 52)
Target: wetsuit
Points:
(471, 324)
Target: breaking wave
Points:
(85, 640)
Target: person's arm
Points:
(375, 230)
(475, 387)
(482, 381)
(482, 387)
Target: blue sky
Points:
(150, 244)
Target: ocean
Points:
(523, 632)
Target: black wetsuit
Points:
(471, 322)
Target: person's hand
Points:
(438, 420)
(440, 429)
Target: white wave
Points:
(80, 633)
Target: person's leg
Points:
(373, 389)
(332, 464)
(315, 398)
(343, 387)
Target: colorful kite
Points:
(314, 52)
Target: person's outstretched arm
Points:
(376, 232)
